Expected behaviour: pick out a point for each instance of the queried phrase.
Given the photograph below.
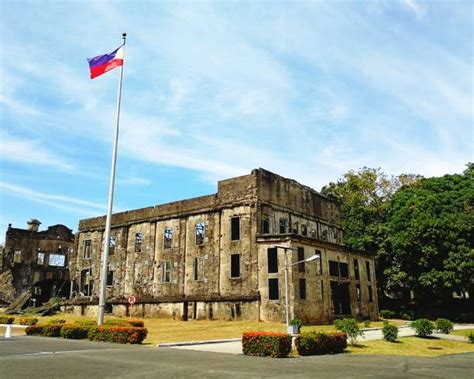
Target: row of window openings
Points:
(274, 291)
(283, 228)
(200, 233)
(339, 269)
(197, 270)
(56, 260)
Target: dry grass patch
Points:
(412, 346)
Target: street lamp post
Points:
(287, 266)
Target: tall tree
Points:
(430, 228)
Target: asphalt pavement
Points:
(40, 357)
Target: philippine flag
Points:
(101, 64)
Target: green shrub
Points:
(385, 313)
(56, 321)
(390, 332)
(75, 332)
(28, 321)
(314, 343)
(117, 334)
(423, 327)
(51, 330)
(407, 316)
(6, 319)
(350, 327)
(34, 330)
(470, 337)
(266, 344)
(366, 323)
(444, 326)
(85, 322)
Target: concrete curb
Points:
(190, 343)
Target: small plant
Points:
(28, 321)
(444, 326)
(6, 319)
(385, 313)
(423, 327)
(350, 327)
(56, 321)
(390, 332)
(367, 323)
(296, 322)
(470, 337)
(117, 334)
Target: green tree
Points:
(430, 232)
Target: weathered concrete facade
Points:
(214, 257)
(36, 261)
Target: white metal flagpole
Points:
(108, 222)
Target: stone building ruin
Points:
(34, 264)
(214, 257)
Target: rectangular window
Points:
(358, 293)
(367, 267)
(112, 243)
(138, 242)
(265, 224)
(333, 268)
(272, 255)
(371, 298)
(57, 260)
(304, 230)
(40, 259)
(166, 271)
(303, 289)
(168, 238)
(356, 269)
(273, 290)
(17, 256)
(235, 228)
(200, 233)
(295, 228)
(320, 253)
(197, 268)
(87, 249)
(110, 277)
(344, 270)
(301, 265)
(283, 225)
(235, 265)
(322, 289)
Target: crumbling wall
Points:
(7, 290)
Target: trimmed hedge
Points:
(266, 344)
(51, 331)
(74, 332)
(6, 319)
(117, 334)
(28, 321)
(314, 343)
(56, 321)
(34, 330)
(136, 323)
(85, 323)
(124, 322)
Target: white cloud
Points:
(414, 7)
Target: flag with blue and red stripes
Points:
(102, 63)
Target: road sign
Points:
(131, 299)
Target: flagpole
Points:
(108, 222)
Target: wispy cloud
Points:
(414, 7)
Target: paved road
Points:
(38, 357)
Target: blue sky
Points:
(308, 90)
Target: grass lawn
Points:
(412, 346)
(463, 332)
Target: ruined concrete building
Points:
(35, 262)
(216, 256)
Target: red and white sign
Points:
(131, 299)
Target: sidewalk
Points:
(234, 346)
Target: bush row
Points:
(424, 327)
(28, 321)
(266, 344)
(117, 334)
(314, 343)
